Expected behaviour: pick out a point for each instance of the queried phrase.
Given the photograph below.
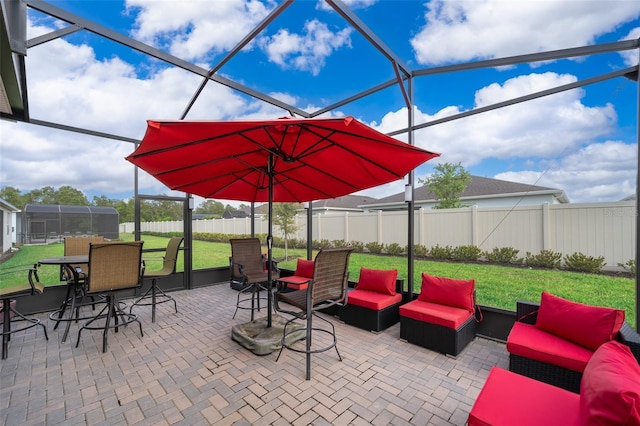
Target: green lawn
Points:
(497, 286)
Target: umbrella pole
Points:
(270, 239)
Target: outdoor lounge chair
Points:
(375, 302)
(553, 341)
(327, 288)
(249, 273)
(113, 267)
(9, 313)
(443, 317)
(155, 293)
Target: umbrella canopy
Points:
(281, 160)
(313, 159)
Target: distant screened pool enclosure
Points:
(40, 223)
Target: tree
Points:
(210, 207)
(284, 217)
(12, 196)
(68, 196)
(447, 183)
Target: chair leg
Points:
(6, 326)
(156, 293)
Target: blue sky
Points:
(583, 141)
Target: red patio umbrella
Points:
(280, 160)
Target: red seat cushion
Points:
(378, 280)
(434, 313)
(528, 341)
(295, 282)
(448, 291)
(304, 268)
(610, 387)
(586, 325)
(372, 299)
(512, 399)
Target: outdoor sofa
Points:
(553, 341)
(609, 395)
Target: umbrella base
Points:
(263, 340)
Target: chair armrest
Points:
(527, 312)
(399, 285)
(629, 337)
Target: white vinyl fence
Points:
(595, 229)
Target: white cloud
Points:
(555, 133)
(69, 85)
(306, 51)
(598, 172)
(630, 57)
(545, 127)
(194, 29)
(463, 30)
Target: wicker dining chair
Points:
(154, 294)
(9, 295)
(327, 288)
(249, 273)
(113, 267)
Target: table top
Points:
(64, 260)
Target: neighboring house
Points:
(481, 192)
(231, 214)
(7, 225)
(346, 203)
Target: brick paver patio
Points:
(186, 370)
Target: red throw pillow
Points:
(448, 291)
(304, 268)
(610, 387)
(586, 325)
(380, 281)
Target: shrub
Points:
(441, 253)
(322, 244)
(420, 250)
(374, 247)
(630, 266)
(503, 255)
(339, 243)
(545, 259)
(358, 246)
(466, 253)
(582, 263)
(394, 249)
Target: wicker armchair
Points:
(327, 288)
(249, 273)
(9, 313)
(527, 313)
(154, 294)
(113, 267)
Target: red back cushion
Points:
(586, 325)
(610, 387)
(448, 291)
(378, 280)
(304, 268)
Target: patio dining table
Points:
(74, 289)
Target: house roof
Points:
(345, 202)
(480, 187)
(8, 206)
